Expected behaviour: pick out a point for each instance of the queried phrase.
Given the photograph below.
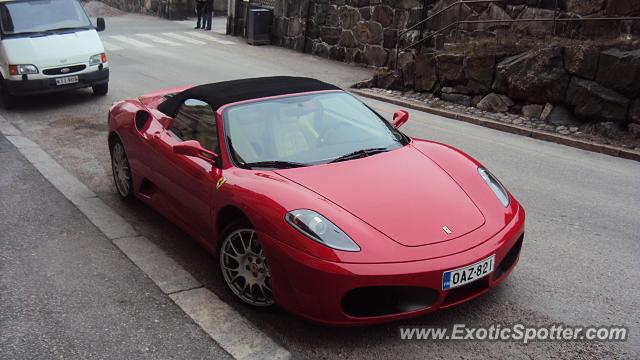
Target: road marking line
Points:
(234, 333)
(110, 47)
(184, 38)
(213, 315)
(159, 39)
(210, 38)
(130, 41)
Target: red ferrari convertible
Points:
(311, 200)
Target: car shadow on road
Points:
(55, 101)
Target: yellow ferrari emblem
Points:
(220, 183)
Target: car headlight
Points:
(98, 59)
(495, 185)
(318, 228)
(25, 69)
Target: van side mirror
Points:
(194, 149)
(100, 24)
(400, 117)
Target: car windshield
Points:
(41, 16)
(306, 130)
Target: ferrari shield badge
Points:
(220, 182)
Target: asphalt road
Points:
(67, 292)
(579, 263)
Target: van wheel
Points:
(101, 90)
(8, 100)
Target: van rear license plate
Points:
(467, 274)
(67, 80)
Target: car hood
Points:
(53, 50)
(401, 193)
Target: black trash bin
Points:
(258, 26)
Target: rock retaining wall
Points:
(365, 31)
(578, 84)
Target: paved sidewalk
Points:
(67, 292)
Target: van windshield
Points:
(41, 16)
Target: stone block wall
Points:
(358, 31)
(365, 31)
(581, 83)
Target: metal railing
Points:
(459, 23)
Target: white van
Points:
(47, 46)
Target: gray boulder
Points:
(582, 61)
(348, 40)
(460, 99)
(375, 56)
(493, 12)
(479, 70)
(623, 7)
(620, 71)
(383, 14)
(609, 129)
(330, 35)
(426, 75)
(369, 32)
(634, 111)
(532, 111)
(388, 80)
(546, 112)
(537, 76)
(585, 7)
(349, 17)
(450, 69)
(495, 103)
(401, 4)
(561, 115)
(534, 27)
(406, 67)
(593, 101)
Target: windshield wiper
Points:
(67, 28)
(46, 32)
(276, 164)
(359, 154)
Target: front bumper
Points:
(44, 86)
(321, 291)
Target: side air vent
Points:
(142, 119)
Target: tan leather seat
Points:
(290, 136)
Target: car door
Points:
(188, 182)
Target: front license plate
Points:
(467, 274)
(67, 80)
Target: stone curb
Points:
(241, 341)
(514, 129)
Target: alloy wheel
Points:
(121, 171)
(245, 269)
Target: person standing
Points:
(208, 15)
(200, 5)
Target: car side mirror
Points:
(100, 24)
(400, 117)
(194, 149)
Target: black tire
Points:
(260, 274)
(101, 90)
(8, 100)
(121, 171)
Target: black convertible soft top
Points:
(227, 92)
